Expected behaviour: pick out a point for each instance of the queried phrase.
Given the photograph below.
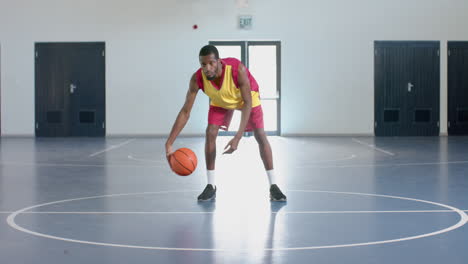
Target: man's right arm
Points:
(183, 115)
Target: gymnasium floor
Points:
(350, 200)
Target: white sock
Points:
(271, 176)
(211, 177)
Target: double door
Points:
(70, 89)
(407, 87)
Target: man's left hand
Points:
(232, 145)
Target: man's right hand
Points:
(168, 152)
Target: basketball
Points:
(183, 161)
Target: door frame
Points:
(244, 59)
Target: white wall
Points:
(327, 55)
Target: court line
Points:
(463, 220)
(131, 157)
(112, 147)
(312, 163)
(164, 166)
(391, 164)
(79, 165)
(213, 212)
(373, 147)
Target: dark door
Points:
(423, 93)
(406, 80)
(0, 90)
(70, 89)
(457, 88)
(391, 74)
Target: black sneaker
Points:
(208, 194)
(276, 195)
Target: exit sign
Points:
(245, 22)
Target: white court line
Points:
(79, 165)
(11, 222)
(373, 147)
(312, 163)
(131, 157)
(390, 164)
(213, 212)
(112, 147)
(165, 166)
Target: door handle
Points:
(410, 87)
(72, 88)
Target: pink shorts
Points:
(222, 117)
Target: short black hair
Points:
(209, 49)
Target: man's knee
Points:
(212, 132)
(260, 136)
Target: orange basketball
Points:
(183, 161)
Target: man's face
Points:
(210, 66)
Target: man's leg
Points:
(210, 146)
(210, 157)
(265, 148)
(267, 158)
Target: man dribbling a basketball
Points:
(230, 86)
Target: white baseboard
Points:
(18, 135)
(327, 135)
(151, 135)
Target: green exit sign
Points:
(245, 22)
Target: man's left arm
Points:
(244, 86)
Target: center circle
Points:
(463, 220)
